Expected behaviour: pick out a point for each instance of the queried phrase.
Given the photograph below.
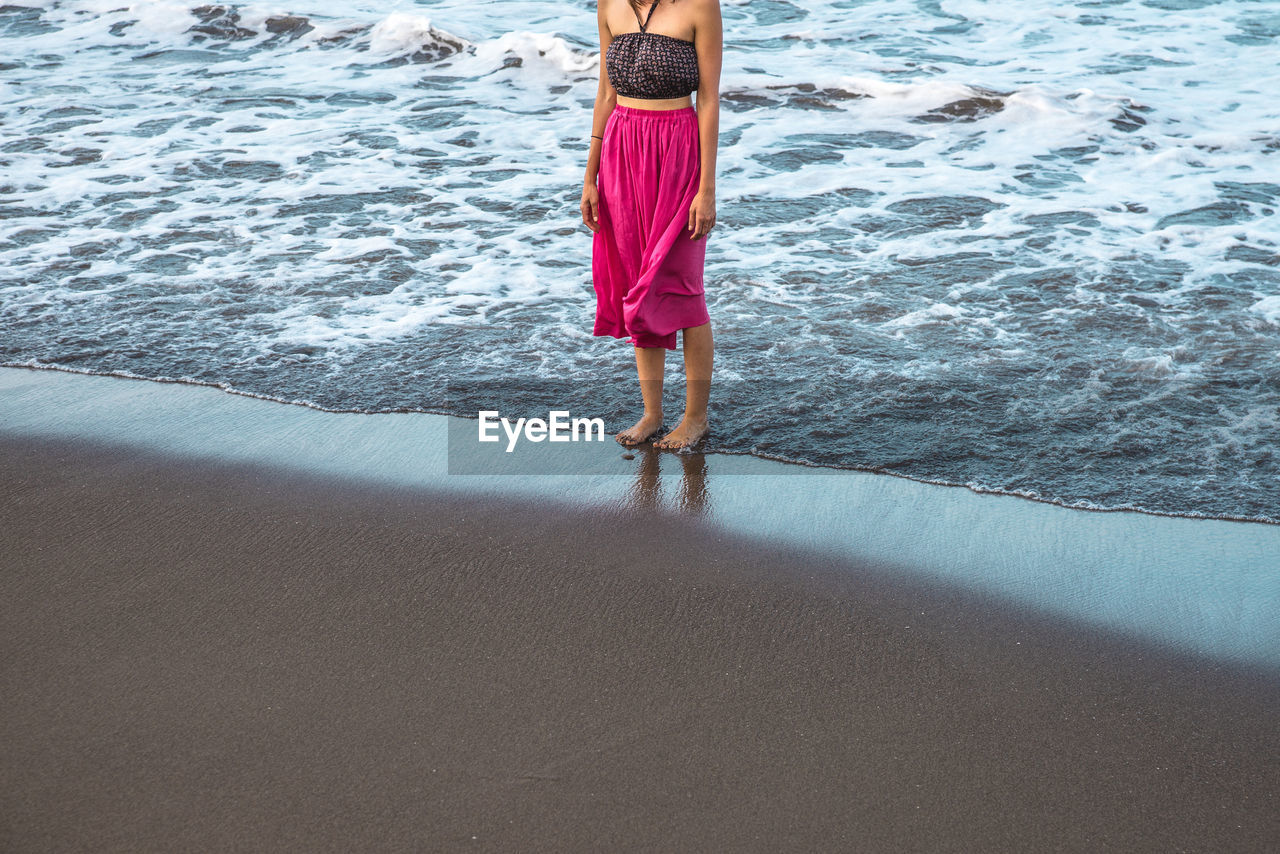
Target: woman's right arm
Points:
(606, 99)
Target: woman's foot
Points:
(640, 432)
(687, 433)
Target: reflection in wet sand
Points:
(691, 496)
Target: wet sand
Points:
(205, 656)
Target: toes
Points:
(634, 437)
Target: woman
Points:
(649, 195)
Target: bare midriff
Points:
(656, 103)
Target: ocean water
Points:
(1027, 247)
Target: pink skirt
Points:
(646, 269)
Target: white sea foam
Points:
(1269, 308)
(910, 197)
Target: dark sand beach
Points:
(220, 657)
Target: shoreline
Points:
(220, 654)
(1125, 572)
(773, 458)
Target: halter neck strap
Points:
(646, 20)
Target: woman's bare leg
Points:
(699, 354)
(650, 363)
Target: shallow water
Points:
(1026, 247)
(1207, 586)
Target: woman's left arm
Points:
(708, 41)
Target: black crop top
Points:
(651, 65)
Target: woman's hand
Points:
(702, 214)
(591, 206)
